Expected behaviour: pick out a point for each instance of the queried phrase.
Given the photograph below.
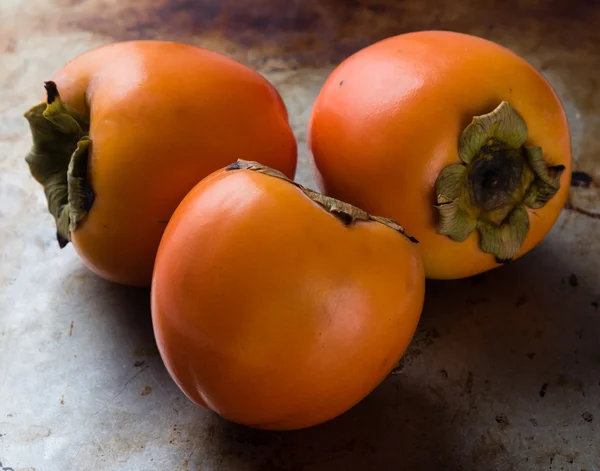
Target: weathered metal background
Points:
(504, 373)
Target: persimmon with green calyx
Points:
(128, 129)
(277, 307)
(457, 138)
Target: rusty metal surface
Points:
(504, 373)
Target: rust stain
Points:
(573, 280)
(423, 339)
(62, 400)
(71, 328)
(312, 32)
(10, 136)
(147, 390)
(581, 180)
(10, 46)
(503, 421)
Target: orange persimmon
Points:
(455, 137)
(279, 308)
(129, 128)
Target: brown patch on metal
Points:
(147, 390)
(401, 364)
(423, 338)
(573, 280)
(588, 417)
(10, 136)
(581, 180)
(71, 329)
(503, 421)
(62, 400)
(11, 46)
(429, 336)
(303, 31)
(312, 33)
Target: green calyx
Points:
(498, 178)
(345, 212)
(58, 160)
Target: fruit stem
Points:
(58, 160)
(499, 177)
(345, 212)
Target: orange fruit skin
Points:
(388, 119)
(163, 116)
(271, 312)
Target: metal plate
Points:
(504, 373)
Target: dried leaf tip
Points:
(346, 213)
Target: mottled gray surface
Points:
(504, 373)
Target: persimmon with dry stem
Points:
(457, 138)
(129, 128)
(279, 308)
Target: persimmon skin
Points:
(270, 311)
(388, 119)
(163, 116)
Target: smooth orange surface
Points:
(388, 120)
(272, 313)
(163, 116)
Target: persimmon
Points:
(128, 129)
(457, 138)
(277, 307)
